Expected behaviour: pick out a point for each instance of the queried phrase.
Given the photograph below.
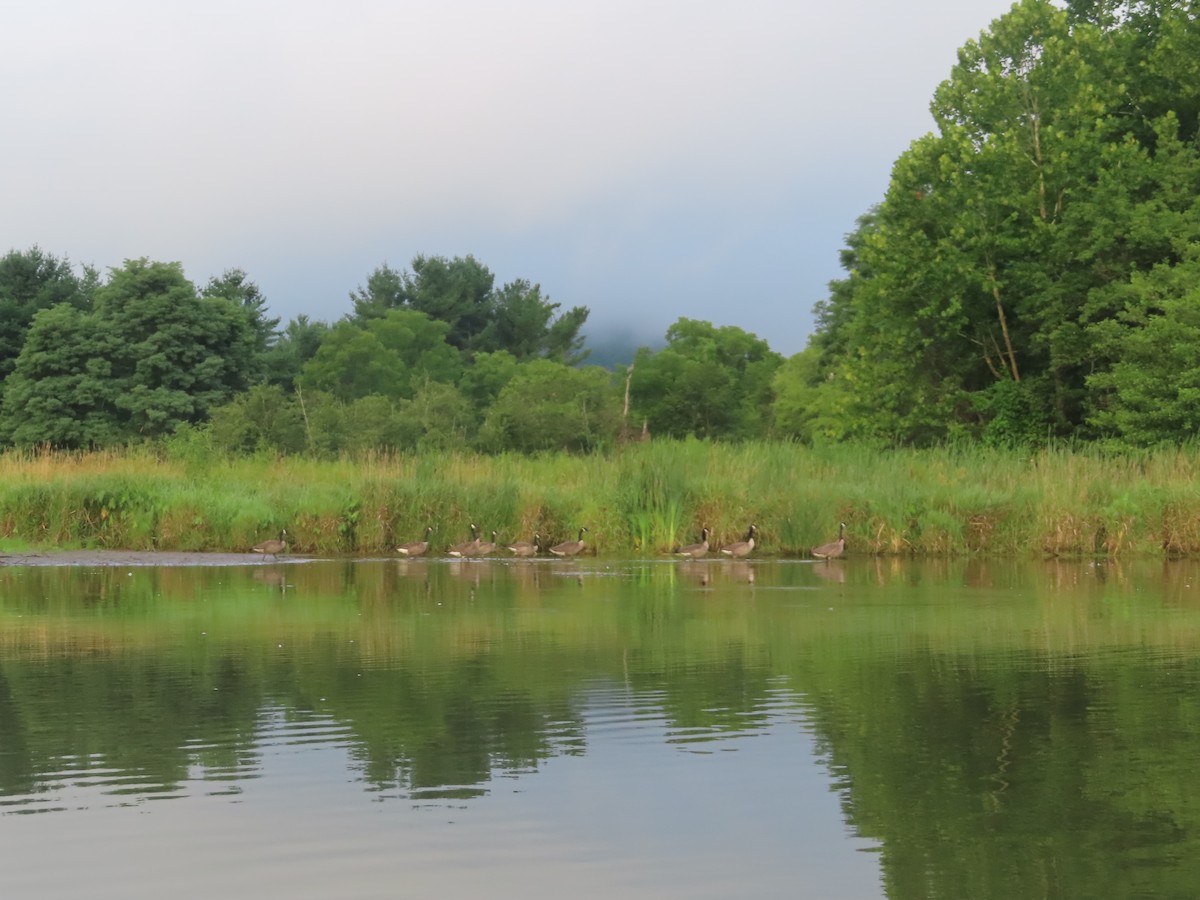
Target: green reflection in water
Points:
(1000, 730)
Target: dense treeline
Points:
(1034, 269)
(433, 358)
(1033, 273)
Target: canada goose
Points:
(833, 549)
(483, 548)
(417, 548)
(695, 551)
(272, 547)
(469, 547)
(738, 549)
(570, 548)
(525, 548)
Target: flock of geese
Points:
(476, 547)
(740, 549)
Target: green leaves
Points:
(549, 406)
(461, 293)
(712, 382)
(61, 391)
(150, 356)
(988, 294)
(1151, 394)
(31, 281)
(390, 356)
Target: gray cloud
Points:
(648, 160)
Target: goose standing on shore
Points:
(469, 547)
(272, 547)
(483, 548)
(695, 551)
(833, 549)
(738, 549)
(570, 548)
(417, 548)
(526, 548)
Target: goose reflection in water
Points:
(271, 578)
(830, 571)
(740, 571)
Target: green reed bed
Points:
(642, 499)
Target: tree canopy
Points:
(1000, 287)
(708, 381)
(150, 355)
(30, 281)
(461, 292)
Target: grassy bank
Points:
(642, 499)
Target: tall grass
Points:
(642, 499)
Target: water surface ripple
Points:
(590, 728)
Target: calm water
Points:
(589, 729)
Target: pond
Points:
(594, 728)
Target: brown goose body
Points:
(467, 549)
(833, 549)
(272, 547)
(483, 548)
(738, 549)
(695, 551)
(526, 548)
(570, 548)
(417, 548)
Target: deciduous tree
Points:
(708, 382)
(181, 354)
(151, 355)
(516, 318)
(1063, 165)
(30, 281)
(390, 356)
(550, 406)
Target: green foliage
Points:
(653, 494)
(364, 424)
(31, 281)
(1152, 393)
(549, 406)
(1012, 414)
(964, 500)
(486, 377)
(296, 345)
(150, 356)
(439, 418)
(390, 357)
(262, 418)
(235, 287)
(460, 292)
(1063, 168)
(352, 363)
(708, 382)
(180, 354)
(193, 445)
(521, 324)
(806, 406)
(62, 391)
(456, 292)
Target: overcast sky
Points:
(649, 160)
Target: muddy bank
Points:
(138, 558)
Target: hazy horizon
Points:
(646, 161)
